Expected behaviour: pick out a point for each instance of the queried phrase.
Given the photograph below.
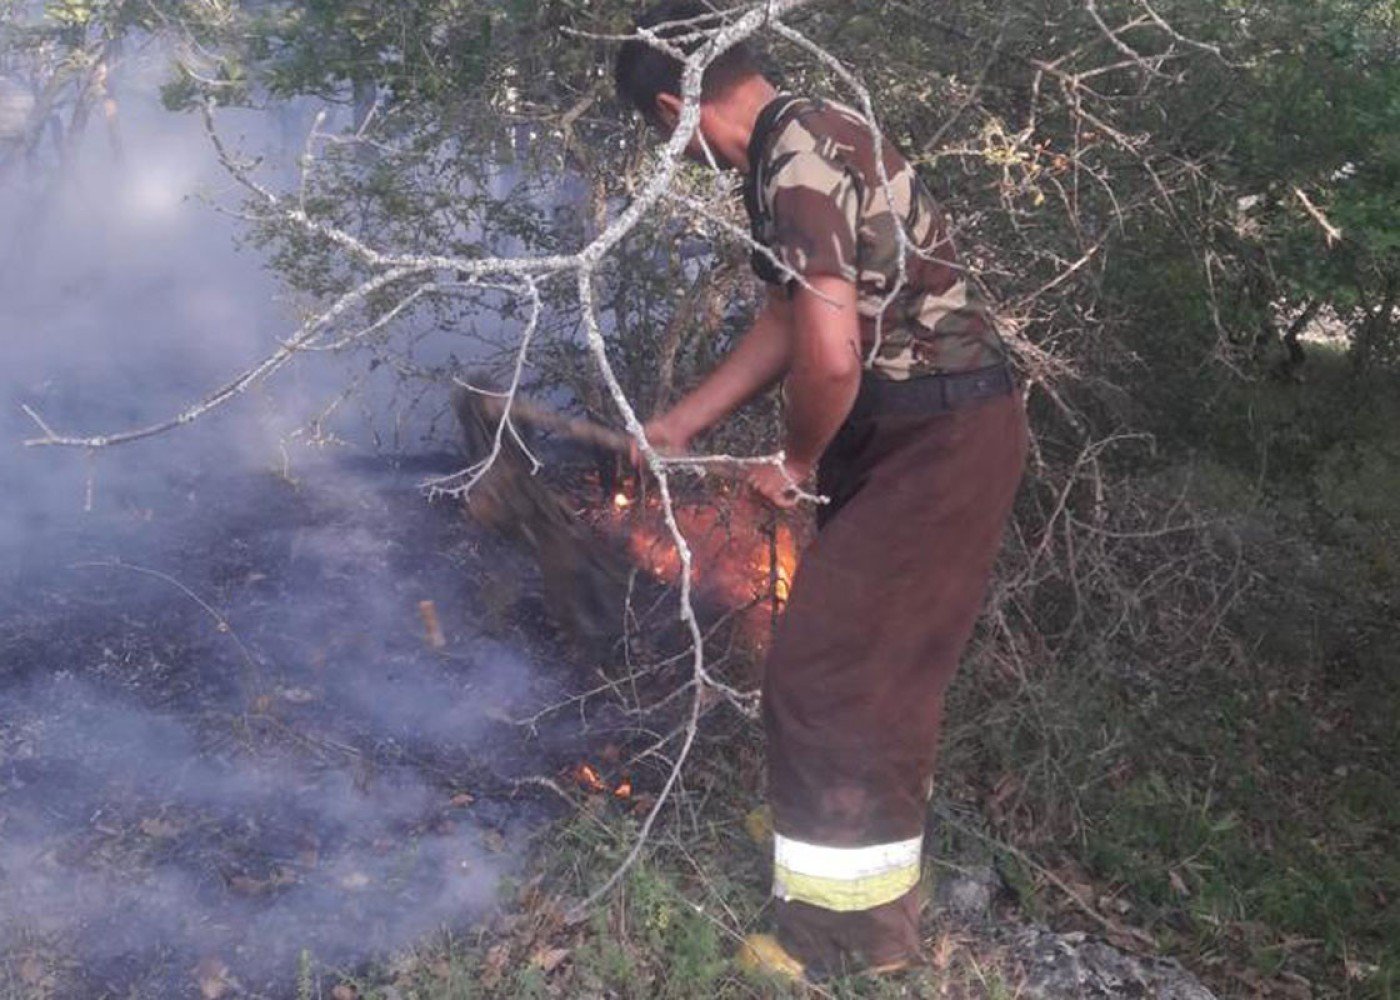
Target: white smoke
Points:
(130, 806)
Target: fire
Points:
(586, 776)
(781, 562)
(740, 556)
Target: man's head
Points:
(650, 80)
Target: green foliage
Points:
(1318, 116)
(673, 950)
(413, 50)
(72, 13)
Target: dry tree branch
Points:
(460, 484)
(1177, 36)
(278, 359)
(1330, 231)
(1114, 38)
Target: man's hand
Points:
(667, 434)
(780, 485)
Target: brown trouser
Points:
(882, 605)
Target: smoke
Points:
(140, 855)
(221, 733)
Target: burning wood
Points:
(742, 559)
(585, 579)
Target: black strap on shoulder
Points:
(758, 151)
(773, 115)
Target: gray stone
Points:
(965, 895)
(1078, 966)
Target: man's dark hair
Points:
(642, 72)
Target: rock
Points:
(1075, 965)
(966, 895)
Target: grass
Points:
(671, 930)
(1243, 807)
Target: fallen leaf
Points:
(493, 966)
(461, 800)
(1359, 972)
(1178, 883)
(494, 842)
(213, 978)
(354, 881)
(1117, 904)
(942, 955)
(548, 959)
(246, 885)
(31, 970)
(529, 893)
(758, 824)
(160, 829)
(1008, 786)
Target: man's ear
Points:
(668, 109)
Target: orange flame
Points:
(588, 778)
(623, 790)
(783, 565)
(738, 556)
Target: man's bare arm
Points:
(822, 382)
(824, 376)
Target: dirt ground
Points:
(226, 736)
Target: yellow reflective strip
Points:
(844, 862)
(845, 895)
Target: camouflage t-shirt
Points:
(815, 199)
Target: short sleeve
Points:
(815, 211)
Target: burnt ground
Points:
(226, 748)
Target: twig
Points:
(221, 623)
(1331, 232)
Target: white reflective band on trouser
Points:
(844, 879)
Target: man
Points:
(906, 413)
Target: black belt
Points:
(930, 394)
